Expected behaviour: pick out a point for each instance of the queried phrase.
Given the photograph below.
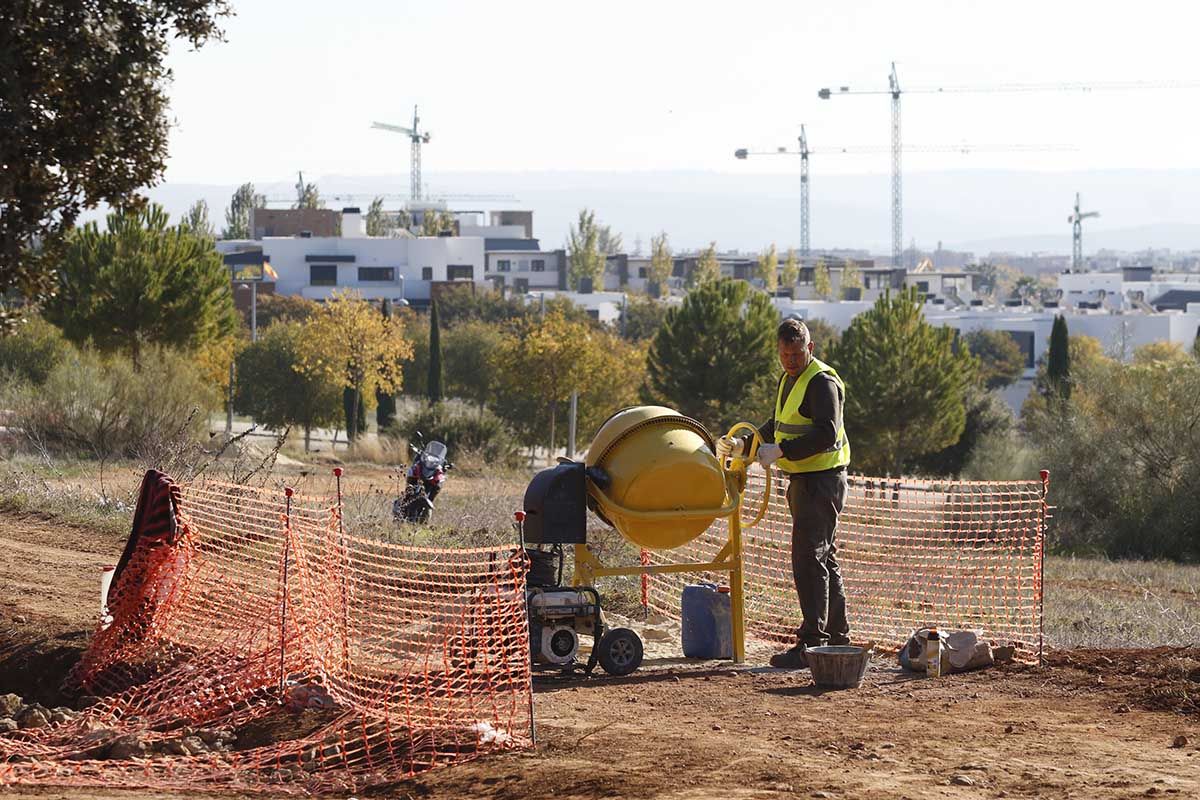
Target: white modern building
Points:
(397, 268)
(523, 270)
(1119, 332)
(604, 307)
(1130, 288)
(1122, 309)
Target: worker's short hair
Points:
(794, 330)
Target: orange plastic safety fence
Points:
(268, 650)
(957, 554)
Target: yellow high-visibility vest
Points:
(790, 423)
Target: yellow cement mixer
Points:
(652, 474)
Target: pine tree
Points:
(86, 119)
(714, 352)
(385, 401)
(823, 336)
(141, 281)
(906, 384)
(1001, 362)
(435, 355)
(1058, 361)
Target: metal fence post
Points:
(337, 474)
(1045, 476)
(287, 546)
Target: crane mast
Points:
(416, 138)
(804, 152)
(897, 146)
(1076, 221)
(897, 188)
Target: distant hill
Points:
(975, 210)
(1175, 236)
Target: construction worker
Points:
(806, 441)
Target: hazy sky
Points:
(647, 85)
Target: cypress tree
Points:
(385, 402)
(1058, 361)
(435, 355)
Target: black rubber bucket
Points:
(838, 666)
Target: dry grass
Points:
(1090, 602)
(1093, 602)
(72, 491)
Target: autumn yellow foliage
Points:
(349, 340)
(541, 361)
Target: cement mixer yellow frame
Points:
(729, 559)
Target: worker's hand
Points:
(769, 453)
(729, 447)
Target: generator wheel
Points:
(620, 651)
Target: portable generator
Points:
(556, 514)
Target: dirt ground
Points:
(1092, 724)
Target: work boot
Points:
(793, 658)
(839, 641)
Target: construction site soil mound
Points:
(1092, 723)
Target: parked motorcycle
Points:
(422, 481)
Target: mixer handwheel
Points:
(620, 651)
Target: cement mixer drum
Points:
(656, 459)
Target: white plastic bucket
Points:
(106, 576)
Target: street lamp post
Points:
(242, 275)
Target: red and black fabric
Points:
(124, 646)
(156, 522)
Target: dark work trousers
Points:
(815, 501)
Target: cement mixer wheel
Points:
(620, 651)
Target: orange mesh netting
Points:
(269, 650)
(958, 554)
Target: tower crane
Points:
(1076, 220)
(897, 194)
(894, 91)
(417, 138)
(804, 151)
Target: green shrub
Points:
(1124, 458)
(466, 429)
(101, 406)
(34, 349)
(1001, 456)
(987, 416)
